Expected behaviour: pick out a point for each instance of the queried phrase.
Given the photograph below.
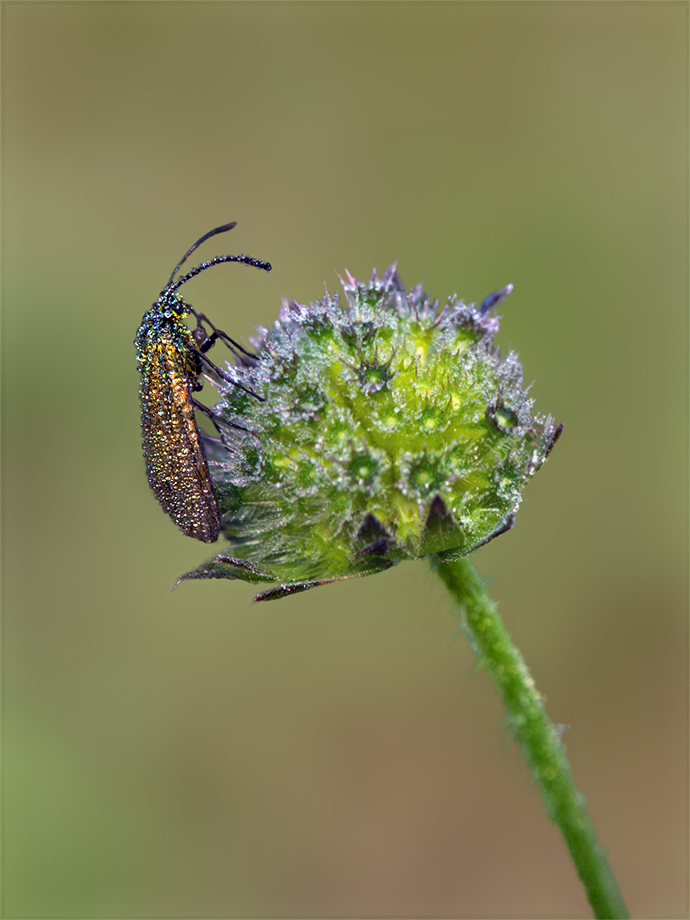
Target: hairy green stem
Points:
(538, 738)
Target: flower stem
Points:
(538, 738)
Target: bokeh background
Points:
(336, 754)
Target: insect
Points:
(170, 358)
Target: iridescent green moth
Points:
(170, 358)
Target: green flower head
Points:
(367, 432)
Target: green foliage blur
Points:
(334, 754)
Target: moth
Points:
(170, 358)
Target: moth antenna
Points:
(216, 260)
(198, 243)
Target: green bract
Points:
(390, 429)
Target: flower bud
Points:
(389, 429)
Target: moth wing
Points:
(175, 458)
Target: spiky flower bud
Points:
(389, 429)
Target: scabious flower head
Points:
(388, 428)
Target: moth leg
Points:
(216, 419)
(205, 341)
(226, 378)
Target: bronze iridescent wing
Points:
(175, 459)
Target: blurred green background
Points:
(333, 754)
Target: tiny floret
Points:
(388, 428)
